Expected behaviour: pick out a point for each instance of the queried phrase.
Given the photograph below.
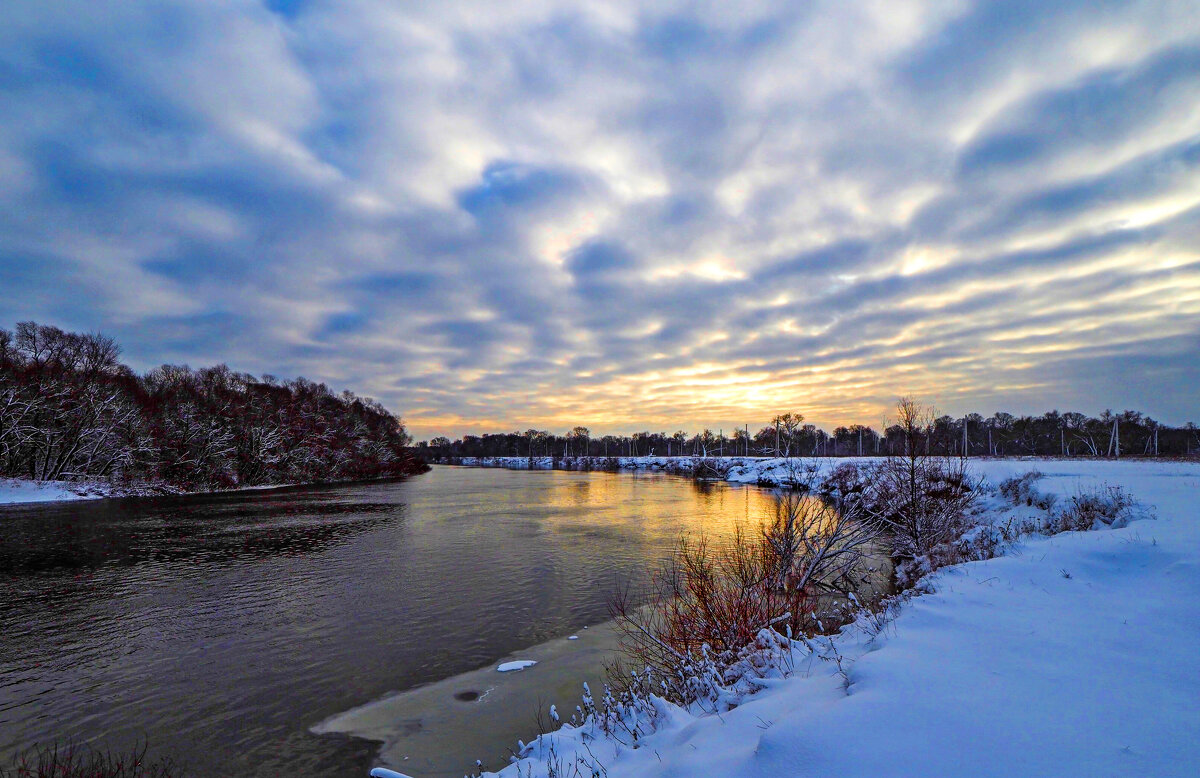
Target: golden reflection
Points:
(652, 508)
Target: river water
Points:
(224, 629)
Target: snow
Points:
(383, 772)
(519, 664)
(1070, 655)
(15, 491)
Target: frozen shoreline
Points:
(1071, 654)
(441, 728)
(21, 491)
(778, 471)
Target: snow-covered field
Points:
(1071, 655)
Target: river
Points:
(223, 629)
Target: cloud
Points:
(501, 216)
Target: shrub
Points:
(847, 481)
(1022, 490)
(920, 500)
(1109, 505)
(921, 503)
(710, 469)
(709, 603)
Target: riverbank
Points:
(21, 491)
(782, 471)
(1069, 654)
(17, 491)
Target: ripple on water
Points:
(201, 622)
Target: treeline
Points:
(70, 410)
(1129, 433)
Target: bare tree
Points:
(582, 436)
(741, 441)
(786, 425)
(919, 498)
(70, 410)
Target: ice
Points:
(519, 664)
(383, 772)
(445, 732)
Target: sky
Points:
(492, 216)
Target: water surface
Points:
(222, 628)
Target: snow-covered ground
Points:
(17, 490)
(1073, 654)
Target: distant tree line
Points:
(1109, 434)
(70, 410)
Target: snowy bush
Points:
(1022, 490)
(641, 704)
(1108, 506)
(923, 505)
(710, 469)
(922, 501)
(847, 481)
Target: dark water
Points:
(221, 628)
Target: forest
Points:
(1072, 434)
(70, 410)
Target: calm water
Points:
(222, 628)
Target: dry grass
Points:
(69, 760)
(713, 600)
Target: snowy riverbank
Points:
(15, 491)
(20, 491)
(779, 471)
(1070, 655)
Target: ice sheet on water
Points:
(446, 725)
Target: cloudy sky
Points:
(492, 215)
